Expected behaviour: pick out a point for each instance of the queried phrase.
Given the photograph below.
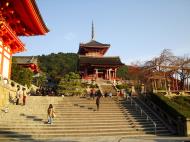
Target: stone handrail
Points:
(8, 90)
(143, 112)
(10, 84)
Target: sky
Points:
(137, 30)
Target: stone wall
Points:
(5, 94)
(8, 90)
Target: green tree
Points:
(57, 65)
(40, 79)
(122, 72)
(21, 75)
(71, 84)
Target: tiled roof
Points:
(25, 59)
(99, 60)
(94, 43)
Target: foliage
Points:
(57, 65)
(122, 86)
(176, 106)
(135, 73)
(122, 72)
(40, 80)
(70, 84)
(93, 86)
(21, 75)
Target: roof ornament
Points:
(92, 30)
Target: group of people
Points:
(21, 96)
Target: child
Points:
(50, 113)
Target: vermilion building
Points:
(92, 62)
(17, 18)
(30, 62)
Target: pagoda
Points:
(92, 62)
(17, 18)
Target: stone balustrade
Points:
(8, 90)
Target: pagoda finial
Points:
(92, 30)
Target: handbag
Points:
(53, 115)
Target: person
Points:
(17, 96)
(93, 92)
(24, 96)
(97, 102)
(51, 114)
(106, 94)
(110, 94)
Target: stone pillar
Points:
(169, 90)
(142, 89)
(133, 92)
(187, 127)
(96, 73)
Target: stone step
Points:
(52, 136)
(58, 125)
(80, 130)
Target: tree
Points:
(40, 79)
(57, 65)
(122, 72)
(70, 84)
(21, 75)
(172, 69)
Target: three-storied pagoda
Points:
(17, 18)
(92, 62)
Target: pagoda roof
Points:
(94, 43)
(90, 60)
(26, 59)
(24, 17)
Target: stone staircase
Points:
(137, 110)
(74, 117)
(107, 88)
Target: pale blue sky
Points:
(136, 29)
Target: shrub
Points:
(176, 106)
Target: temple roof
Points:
(94, 43)
(100, 60)
(10, 38)
(26, 59)
(24, 17)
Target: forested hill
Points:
(57, 65)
